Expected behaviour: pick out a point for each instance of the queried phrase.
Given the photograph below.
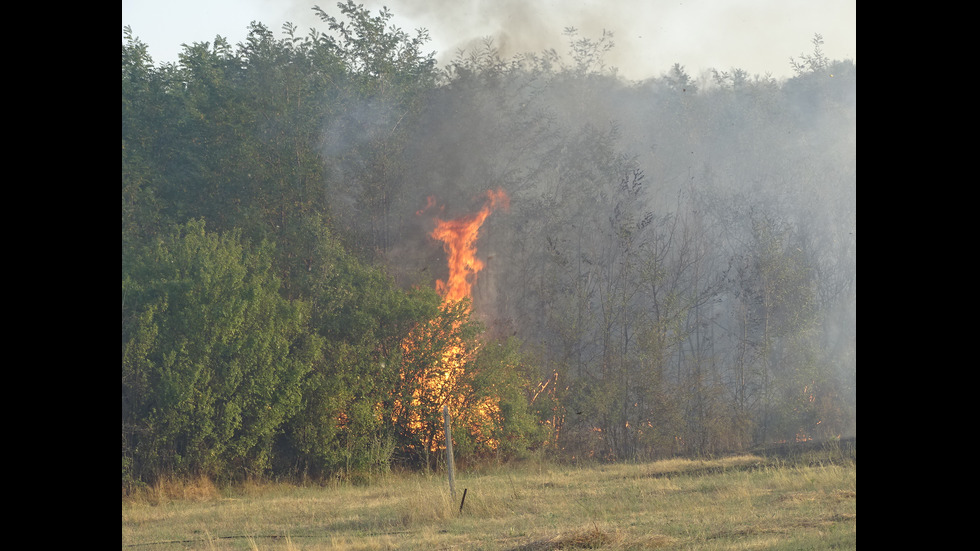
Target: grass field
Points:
(741, 502)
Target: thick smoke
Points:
(648, 220)
(649, 36)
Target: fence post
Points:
(450, 462)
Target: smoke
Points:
(758, 36)
(580, 231)
(515, 26)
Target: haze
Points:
(758, 36)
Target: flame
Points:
(430, 202)
(459, 241)
(442, 387)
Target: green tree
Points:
(388, 76)
(150, 113)
(288, 92)
(776, 301)
(349, 398)
(212, 356)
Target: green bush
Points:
(213, 356)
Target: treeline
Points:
(675, 275)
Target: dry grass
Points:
(724, 504)
(168, 489)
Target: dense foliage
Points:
(279, 317)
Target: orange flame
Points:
(459, 238)
(459, 241)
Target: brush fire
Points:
(442, 382)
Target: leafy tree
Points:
(494, 415)
(449, 362)
(349, 398)
(812, 63)
(212, 356)
(776, 297)
(388, 77)
(150, 112)
(588, 53)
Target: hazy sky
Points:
(758, 36)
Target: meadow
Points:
(726, 503)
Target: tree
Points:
(150, 110)
(350, 398)
(435, 355)
(388, 75)
(776, 299)
(494, 412)
(449, 362)
(212, 356)
(812, 63)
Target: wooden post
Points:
(450, 462)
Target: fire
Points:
(459, 241)
(441, 387)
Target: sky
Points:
(650, 36)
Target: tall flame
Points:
(459, 237)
